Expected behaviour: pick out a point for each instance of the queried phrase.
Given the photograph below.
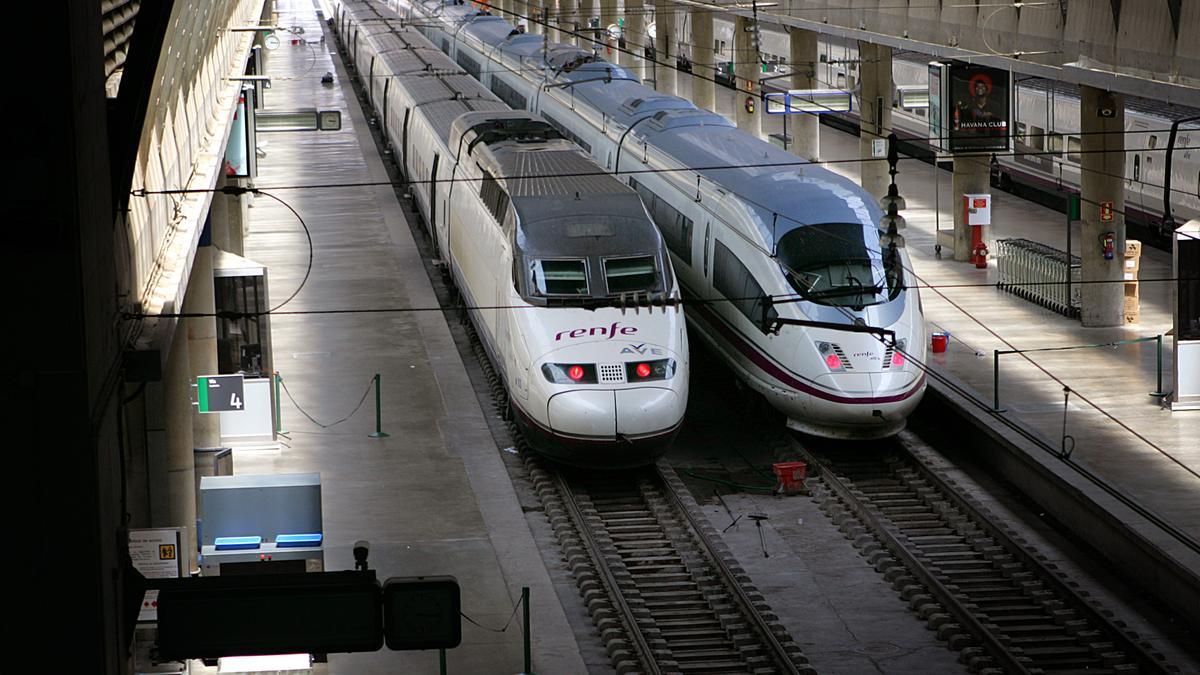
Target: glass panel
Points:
(831, 264)
(629, 274)
(1056, 143)
(1074, 148)
(559, 277)
(1037, 138)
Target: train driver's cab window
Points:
(624, 275)
(559, 277)
(1074, 149)
(1037, 138)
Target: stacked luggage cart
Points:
(1038, 273)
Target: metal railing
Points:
(997, 353)
(1038, 273)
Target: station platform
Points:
(433, 497)
(1121, 433)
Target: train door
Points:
(383, 122)
(1135, 169)
(404, 139)
(371, 80)
(433, 200)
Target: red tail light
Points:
(643, 370)
(575, 373)
(833, 362)
(897, 359)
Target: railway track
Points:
(663, 591)
(975, 583)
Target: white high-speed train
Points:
(568, 280)
(790, 254)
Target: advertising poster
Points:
(936, 130)
(979, 118)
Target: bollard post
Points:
(996, 381)
(1159, 393)
(525, 618)
(442, 661)
(278, 405)
(379, 432)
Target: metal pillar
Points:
(664, 46)
(802, 56)
(875, 112)
(1102, 181)
(704, 93)
(746, 68)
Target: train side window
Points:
(734, 281)
(1152, 142)
(841, 80)
(1074, 149)
(1021, 129)
(1055, 144)
(494, 197)
(1037, 138)
(675, 227)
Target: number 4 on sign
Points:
(235, 402)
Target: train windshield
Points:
(832, 264)
(559, 277)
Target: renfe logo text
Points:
(609, 332)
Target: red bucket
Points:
(940, 342)
(791, 475)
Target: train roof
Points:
(769, 179)
(567, 205)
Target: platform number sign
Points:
(220, 393)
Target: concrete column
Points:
(971, 176)
(703, 59)
(227, 216)
(875, 76)
(1102, 179)
(608, 17)
(747, 69)
(565, 19)
(533, 16)
(635, 38)
(802, 57)
(180, 464)
(202, 340)
(664, 46)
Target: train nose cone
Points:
(647, 410)
(583, 413)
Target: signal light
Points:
(897, 359)
(575, 373)
(833, 362)
(643, 370)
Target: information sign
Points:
(220, 393)
(156, 554)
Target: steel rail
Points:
(645, 652)
(782, 657)
(885, 532)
